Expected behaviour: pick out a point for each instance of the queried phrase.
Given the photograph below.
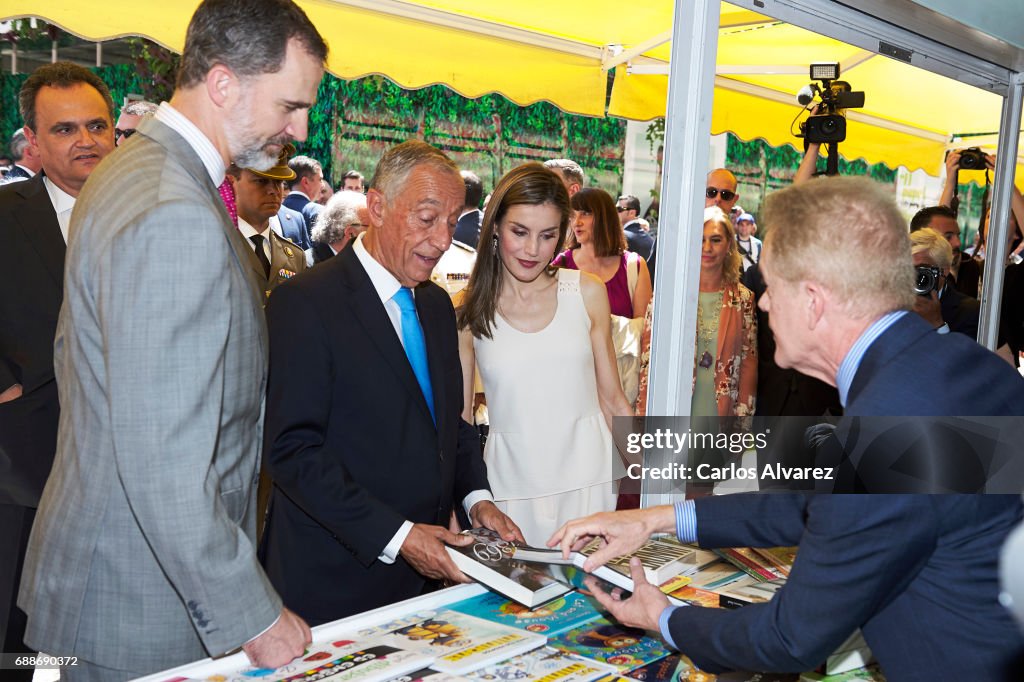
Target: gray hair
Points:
(394, 167)
(139, 107)
(569, 169)
(18, 145)
(341, 211)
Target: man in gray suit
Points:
(142, 556)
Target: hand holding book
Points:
(642, 609)
(424, 549)
(485, 514)
(623, 532)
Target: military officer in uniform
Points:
(258, 198)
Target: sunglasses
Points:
(620, 209)
(712, 192)
(118, 133)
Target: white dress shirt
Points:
(387, 286)
(62, 205)
(248, 231)
(200, 143)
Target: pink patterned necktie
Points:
(227, 195)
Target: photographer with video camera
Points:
(937, 302)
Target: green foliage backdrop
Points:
(353, 122)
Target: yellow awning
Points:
(538, 50)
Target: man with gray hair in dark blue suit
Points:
(885, 564)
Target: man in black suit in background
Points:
(68, 118)
(25, 157)
(364, 440)
(467, 230)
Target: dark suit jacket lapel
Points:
(38, 221)
(369, 309)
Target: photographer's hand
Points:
(952, 166)
(808, 164)
(929, 308)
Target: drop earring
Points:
(494, 244)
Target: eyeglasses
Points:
(118, 133)
(712, 192)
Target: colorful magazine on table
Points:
(460, 644)
(607, 642)
(544, 665)
(337, 661)
(557, 615)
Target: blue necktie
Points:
(415, 346)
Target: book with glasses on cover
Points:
(493, 562)
(460, 644)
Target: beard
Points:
(258, 158)
(248, 149)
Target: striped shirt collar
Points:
(200, 143)
(848, 367)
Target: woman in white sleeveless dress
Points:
(541, 339)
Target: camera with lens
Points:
(972, 159)
(926, 279)
(836, 96)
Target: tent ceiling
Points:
(534, 50)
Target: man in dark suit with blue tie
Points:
(364, 439)
(917, 574)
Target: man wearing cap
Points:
(258, 197)
(749, 245)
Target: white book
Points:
(493, 562)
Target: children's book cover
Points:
(551, 618)
(460, 643)
(607, 642)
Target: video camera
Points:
(836, 96)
